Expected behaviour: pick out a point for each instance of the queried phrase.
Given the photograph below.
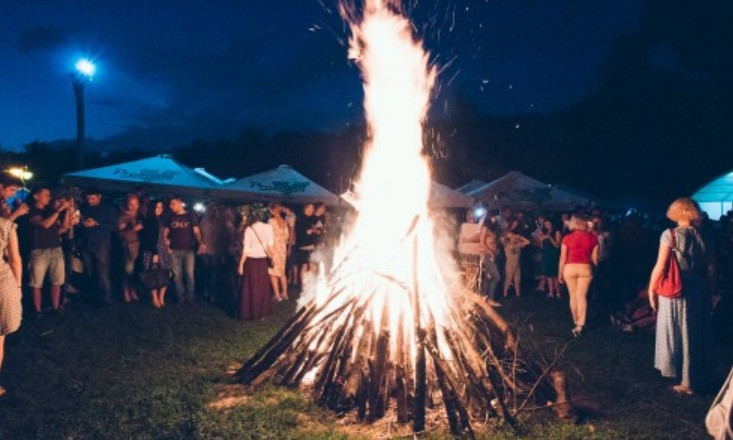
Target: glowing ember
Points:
(391, 323)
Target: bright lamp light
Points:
(85, 67)
(21, 173)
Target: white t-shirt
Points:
(252, 246)
(468, 232)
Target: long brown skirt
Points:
(254, 299)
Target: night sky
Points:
(170, 72)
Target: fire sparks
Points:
(390, 326)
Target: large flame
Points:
(391, 322)
(390, 252)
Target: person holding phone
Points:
(99, 222)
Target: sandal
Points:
(578, 331)
(683, 390)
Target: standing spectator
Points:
(565, 219)
(602, 276)
(513, 244)
(130, 224)
(578, 255)
(9, 185)
(683, 341)
(306, 237)
(490, 250)
(155, 253)
(505, 221)
(549, 239)
(99, 221)
(469, 248)
(291, 266)
(215, 237)
(256, 247)
(184, 236)
(281, 237)
(46, 255)
(11, 275)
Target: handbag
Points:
(270, 263)
(155, 277)
(669, 284)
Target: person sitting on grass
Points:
(636, 315)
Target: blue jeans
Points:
(491, 277)
(182, 262)
(96, 267)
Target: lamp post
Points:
(84, 72)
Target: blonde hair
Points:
(577, 223)
(683, 209)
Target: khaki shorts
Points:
(46, 261)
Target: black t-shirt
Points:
(302, 224)
(42, 238)
(181, 231)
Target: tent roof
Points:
(470, 186)
(521, 191)
(719, 190)
(158, 171)
(442, 196)
(278, 184)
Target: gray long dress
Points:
(684, 334)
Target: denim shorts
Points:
(46, 261)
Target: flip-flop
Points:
(682, 390)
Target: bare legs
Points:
(128, 290)
(279, 287)
(158, 297)
(2, 352)
(55, 298)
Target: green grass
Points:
(131, 372)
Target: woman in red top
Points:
(578, 256)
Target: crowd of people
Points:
(61, 246)
(602, 261)
(89, 246)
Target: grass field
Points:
(131, 372)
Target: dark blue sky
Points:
(172, 71)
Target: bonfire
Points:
(391, 329)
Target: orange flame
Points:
(375, 262)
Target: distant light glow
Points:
(20, 173)
(85, 67)
(199, 207)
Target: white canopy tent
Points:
(157, 173)
(283, 184)
(520, 191)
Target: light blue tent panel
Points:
(716, 198)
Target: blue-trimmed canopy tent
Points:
(281, 184)
(159, 173)
(520, 191)
(716, 198)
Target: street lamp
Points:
(84, 72)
